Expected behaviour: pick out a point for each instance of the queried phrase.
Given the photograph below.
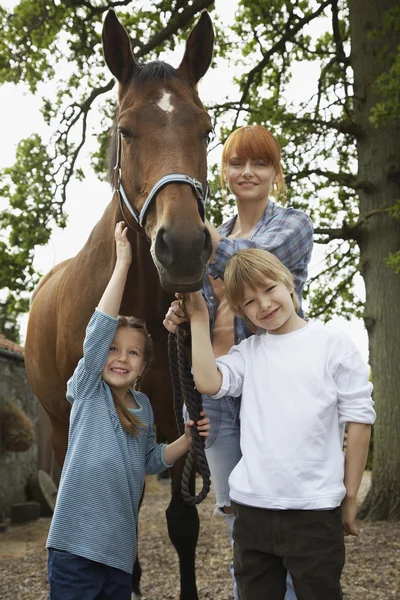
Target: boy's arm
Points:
(206, 376)
(110, 302)
(358, 436)
(356, 408)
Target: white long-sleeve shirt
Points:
(298, 391)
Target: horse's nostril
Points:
(183, 250)
(162, 247)
(207, 246)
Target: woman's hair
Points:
(128, 420)
(252, 267)
(255, 142)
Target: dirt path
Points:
(372, 570)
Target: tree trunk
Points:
(379, 164)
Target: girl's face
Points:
(125, 360)
(249, 179)
(270, 307)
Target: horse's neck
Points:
(143, 296)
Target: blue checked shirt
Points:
(285, 232)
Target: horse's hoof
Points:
(136, 596)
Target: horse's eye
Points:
(209, 136)
(125, 133)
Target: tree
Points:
(340, 147)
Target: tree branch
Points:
(277, 47)
(348, 231)
(344, 179)
(177, 22)
(338, 290)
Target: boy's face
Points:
(270, 307)
(125, 359)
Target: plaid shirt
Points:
(285, 232)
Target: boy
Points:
(301, 382)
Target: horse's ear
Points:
(199, 49)
(117, 48)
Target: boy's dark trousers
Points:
(268, 543)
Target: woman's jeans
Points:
(223, 453)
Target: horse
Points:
(158, 166)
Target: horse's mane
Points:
(156, 69)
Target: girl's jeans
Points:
(73, 577)
(223, 453)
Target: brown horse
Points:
(161, 128)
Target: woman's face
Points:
(249, 179)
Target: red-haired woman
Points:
(251, 169)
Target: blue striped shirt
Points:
(285, 232)
(103, 474)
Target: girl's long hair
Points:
(129, 421)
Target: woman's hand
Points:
(174, 317)
(203, 427)
(122, 244)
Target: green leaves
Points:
(31, 189)
(290, 72)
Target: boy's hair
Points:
(255, 142)
(252, 267)
(128, 420)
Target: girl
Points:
(92, 538)
(300, 383)
(251, 168)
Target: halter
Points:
(196, 186)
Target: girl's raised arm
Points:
(111, 299)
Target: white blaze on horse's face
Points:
(165, 102)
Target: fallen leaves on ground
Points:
(372, 570)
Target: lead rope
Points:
(185, 392)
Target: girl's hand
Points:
(194, 304)
(174, 317)
(122, 244)
(203, 427)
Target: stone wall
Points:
(16, 467)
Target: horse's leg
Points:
(137, 569)
(183, 528)
(59, 438)
(46, 457)
(136, 577)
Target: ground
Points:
(372, 569)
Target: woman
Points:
(251, 168)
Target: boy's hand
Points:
(122, 244)
(203, 427)
(349, 512)
(194, 304)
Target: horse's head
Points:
(161, 129)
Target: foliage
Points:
(268, 44)
(387, 86)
